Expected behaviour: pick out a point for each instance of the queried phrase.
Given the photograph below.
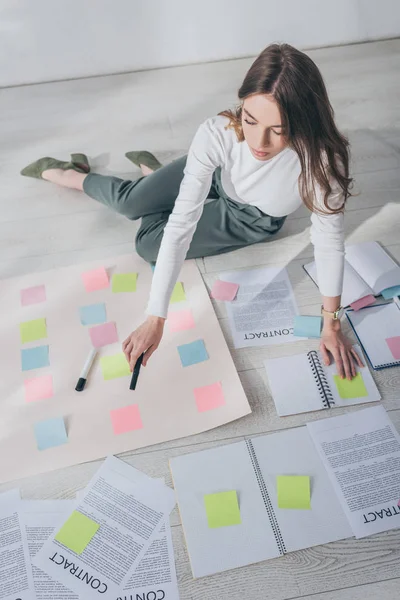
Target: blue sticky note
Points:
(35, 358)
(309, 327)
(391, 292)
(193, 353)
(93, 314)
(50, 433)
(153, 266)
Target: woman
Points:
(254, 166)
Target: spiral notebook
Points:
(378, 331)
(302, 383)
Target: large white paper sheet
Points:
(264, 308)
(15, 575)
(130, 509)
(361, 453)
(166, 406)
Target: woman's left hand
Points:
(344, 355)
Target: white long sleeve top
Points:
(271, 186)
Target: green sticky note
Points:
(293, 491)
(77, 532)
(114, 366)
(351, 389)
(222, 509)
(178, 293)
(33, 330)
(124, 282)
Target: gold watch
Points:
(336, 315)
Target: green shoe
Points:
(144, 158)
(79, 162)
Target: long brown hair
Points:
(296, 84)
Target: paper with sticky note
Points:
(38, 388)
(355, 388)
(305, 326)
(193, 353)
(178, 294)
(114, 366)
(77, 531)
(93, 314)
(209, 397)
(102, 335)
(126, 419)
(224, 290)
(31, 331)
(362, 302)
(394, 346)
(33, 295)
(293, 491)
(50, 433)
(124, 282)
(222, 509)
(180, 320)
(96, 279)
(34, 358)
(390, 292)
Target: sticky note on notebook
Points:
(222, 509)
(38, 388)
(31, 331)
(178, 294)
(34, 358)
(394, 346)
(309, 327)
(102, 335)
(93, 314)
(224, 290)
(193, 353)
(33, 295)
(124, 282)
(114, 366)
(77, 531)
(180, 320)
(351, 389)
(126, 419)
(96, 279)
(50, 433)
(293, 491)
(209, 397)
(391, 292)
(362, 302)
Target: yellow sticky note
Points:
(222, 509)
(33, 330)
(124, 282)
(114, 366)
(178, 293)
(77, 532)
(351, 389)
(293, 491)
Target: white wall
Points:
(45, 40)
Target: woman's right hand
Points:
(145, 338)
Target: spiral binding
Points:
(267, 501)
(390, 364)
(320, 379)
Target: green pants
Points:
(225, 225)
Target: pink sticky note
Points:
(224, 290)
(33, 295)
(97, 279)
(394, 346)
(180, 320)
(126, 419)
(209, 397)
(38, 388)
(104, 334)
(366, 301)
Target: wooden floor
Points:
(42, 227)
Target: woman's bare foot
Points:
(146, 170)
(69, 178)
